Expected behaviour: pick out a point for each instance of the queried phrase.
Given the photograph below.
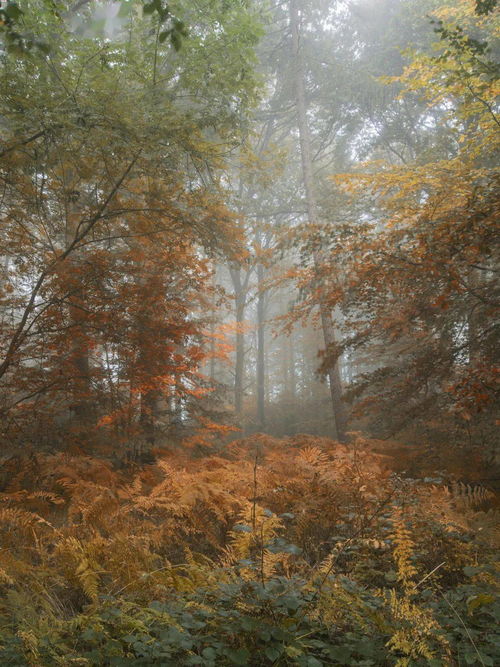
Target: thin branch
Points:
(35, 136)
(19, 334)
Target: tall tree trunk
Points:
(292, 383)
(261, 362)
(327, 323)
(212, 326)
(239, 367)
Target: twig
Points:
(428, 575)
(254, 504)
(465, 627)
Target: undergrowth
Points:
(272, 552)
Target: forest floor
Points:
(295, 551)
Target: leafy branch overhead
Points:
(12, 22)
(177, 29)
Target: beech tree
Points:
(104, 165)
(419, 287)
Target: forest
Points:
(249, 333)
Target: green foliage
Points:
(470, 616)
(246, 623)
(22, 43)
(16, 41)
(485, 6)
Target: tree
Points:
(312, 211)
(104, 166)
(420, 288)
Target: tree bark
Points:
(261, 362)
(327, 323)
(212, 326)
(239, 367)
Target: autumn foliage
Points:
(158, 190)
(412, 259)
(314, 546)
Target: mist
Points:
(249, 332)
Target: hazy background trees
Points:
(277, 216)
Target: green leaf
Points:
(163, 35)
(476, 601)
(248, 623)
(180, 27)
(279, 545)
(209, 653)
(238, 656)
(470, 571)
(272, 652)
(130, 639)
(13, 11)
(341, 653)
(176, 40)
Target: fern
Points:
(403, 551)
(467, 496)
(414, 630)
(180, 529)
(82, 562)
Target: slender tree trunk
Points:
(239, 370)
(148, 415)
(261, 362)
(149, 405)
(292, 383)
(239, 367)
(287, 353)
(212, 326)
(312, 213)
(293, 379)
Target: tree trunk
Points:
(261, 362)
(212, 327)
(292, 384)
(307, 174)
(239, 367)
